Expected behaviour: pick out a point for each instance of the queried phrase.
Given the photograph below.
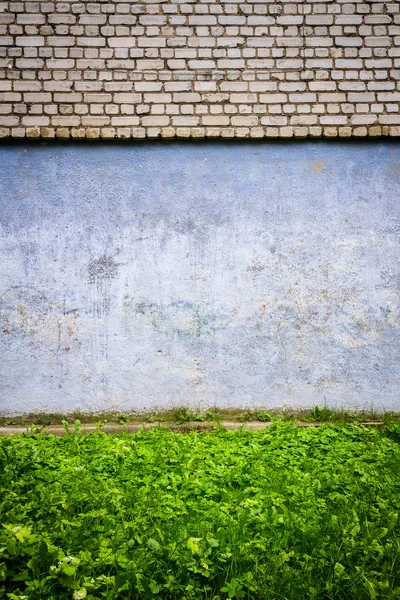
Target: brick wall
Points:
(246, 68)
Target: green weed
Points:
(284, 513)
(265, 416)
(213, 414)
(155, 418)
(184, 415)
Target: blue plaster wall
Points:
(144, 276)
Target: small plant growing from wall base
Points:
(184, 415)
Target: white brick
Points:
(122, 42)
(161, 121)
(59, 40)
(37, 97)
(124, 121)
(245, 121)
(27, 40)
(127, 98)
(273, 98)
(232, 69)
(36, 121)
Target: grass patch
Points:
(184, 414)
(284, 513)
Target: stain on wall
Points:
(238, 275)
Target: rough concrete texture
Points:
(151, 276)
(166, 68)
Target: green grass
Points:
(184, 414)
(283, 513)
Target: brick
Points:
(91, 42)
(28, 40)
(349, 41)
(123, 68)
(333, 120)
(59, 40)
(302, 98)
(389, 97)
(226, 63)
(122, 42)
(68, 98)
(201, 64)
(214, 120)
(332, 97)
(202, 20)
(30, 19)
(245, 121)
(8, 121)
(89, 19)
(186, 97)
(124, 121)
(150, 65)
(60, 63)
(155, 121)
(273, 98)
(24, 86)
(361, 97)
(93, 121)
(96, 98)
(187, 121)
(70, 121)
(37, 97)
(35, 121)
(129, 98)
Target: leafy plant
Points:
(393, 431)
(122, 418)
(184, 415)
(294, 513)
(214, 415)
(196, 417)
(264, 416)
(320, 414)
(100, 424)
(247, 415)
(155, 418)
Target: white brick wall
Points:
(125, 68)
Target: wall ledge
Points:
(141, 133)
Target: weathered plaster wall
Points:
(199, 68)
(143, 276)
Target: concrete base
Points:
(116, 428)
